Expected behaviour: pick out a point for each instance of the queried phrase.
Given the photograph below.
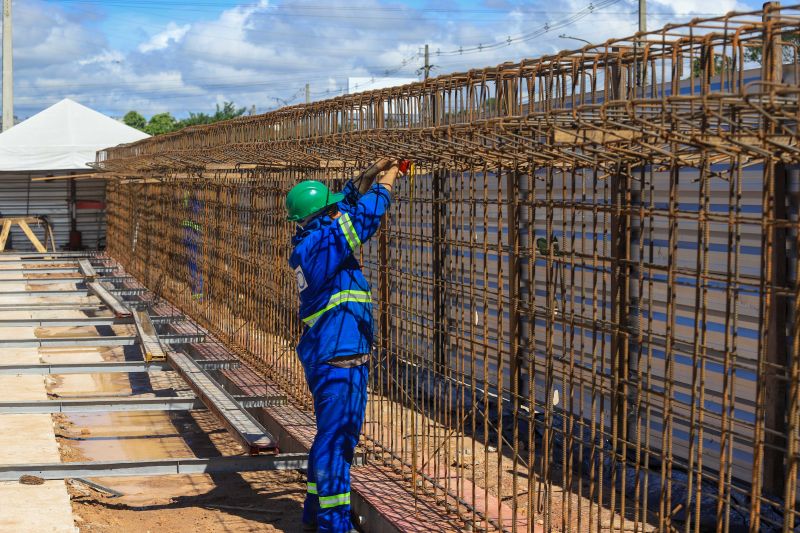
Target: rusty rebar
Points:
(587, 292)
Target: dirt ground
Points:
(247, 502)
(181, 504)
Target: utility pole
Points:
(642, 15)
(308, 93)
(8, 69)
(427, 67)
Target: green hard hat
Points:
(309, 197)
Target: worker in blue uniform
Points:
(336, 309)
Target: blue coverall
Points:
(335, 306)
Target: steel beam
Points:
(64, 322)
(81, 322)
(38, 255)
(218, 364)
(114, 340)
(53, 270)
(77, 292)
(257, 402)
(66, 279)
(60, 262)
(157, 467)
(85, 368)
(240, 424)
(71, 306)
(94, 405)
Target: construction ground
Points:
(78, 392)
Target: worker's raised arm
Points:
(364, 181)
(365, 219)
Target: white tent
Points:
(65, 136)
(58, 142)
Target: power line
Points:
(327, 10)
(542, 30)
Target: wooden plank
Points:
(71, 176)
(4, 234)
(86, 269)
(148, 337)
(119, 309)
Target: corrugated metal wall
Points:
(20, 196)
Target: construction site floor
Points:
(28, 438)
(239, 502)
(252, 501)
(247, 502)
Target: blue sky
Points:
(188, 55)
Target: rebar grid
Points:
(586, 293)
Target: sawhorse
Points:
(22, 222)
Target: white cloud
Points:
(263, 55)
(106, 56)
(159, 41)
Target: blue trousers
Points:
(340, 400)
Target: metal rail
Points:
(52, 270)
(84, 368)
(12, 256)
(157, 467)
(67, 261)
(95, 405)
(68, 306)
(117, 340)
(34, 282)
(81, 322)
(253, 437)
(78, 292)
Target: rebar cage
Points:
(585, 291)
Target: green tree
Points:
(134, 119)
(161, 123)
(790, 42)
(164, 122)
(720, 62)
(226, 112)
(195, 119)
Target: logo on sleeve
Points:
(302, 284)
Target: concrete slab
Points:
(81, 354)
(22, 388)
(20, 356)
(35, 508)
(28, 439)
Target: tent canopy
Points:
(64, 136)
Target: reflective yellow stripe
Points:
(326, 502)
(311, 488)
(194, 225)
(349, 231)
(337, 299)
